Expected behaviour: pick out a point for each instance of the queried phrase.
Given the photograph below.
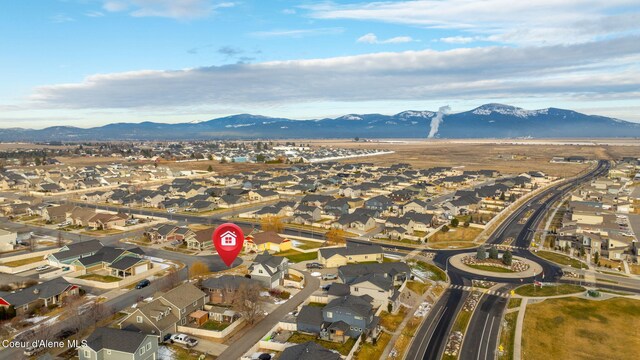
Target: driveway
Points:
(251, 337)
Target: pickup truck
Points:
(184, 340)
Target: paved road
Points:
(253, 335)
(484, 329)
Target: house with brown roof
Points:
(104, 221)
(200, 240)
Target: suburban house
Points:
(380, 203)
(269, 270)
(52, 292)
(339, 256)
(355, 221)
(266, 241)
(222, 289)
(200, 240)
(113, 261)
(104, 221)
(168, 232)
(399, 272)
(7, 240)
(114, 344)
(68, 253)
(342, 318)
(163, 314)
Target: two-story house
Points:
(269, 270)
(115, 344)
(163, 314)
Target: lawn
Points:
(561, 259)
(418, 287)
(490, 268)
(307, 245)
(21, 262)
(392, 321)
(575, 328)
(297, 256)
(436, 273)
(369, 351)
(455, 234)
(101, 278)
(514, 303)
(507, 336)
(344, 349)
(549, 290)
(451, 245)
(214, 325)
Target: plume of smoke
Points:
(437, 120)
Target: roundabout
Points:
(532, 268)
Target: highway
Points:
(484, 325)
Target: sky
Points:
(92, 62)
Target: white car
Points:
(184, 340)
(171, 210)
(43, 267)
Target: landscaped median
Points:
(532, 290)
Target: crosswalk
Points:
(504, 247)
(482, 290)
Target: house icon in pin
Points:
(228, 238)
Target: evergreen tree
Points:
(455, 222)
(507, 258)
(493, 253)
(481, 254)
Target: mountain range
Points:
(486, 121)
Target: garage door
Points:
(140, 269)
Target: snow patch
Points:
(508, 110)
(239, 125)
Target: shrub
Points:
(444, 229)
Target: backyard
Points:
(101, 278)
(369, 351)
(215, 325)
(21, 262)
(574, 328)
(343, 349)
(297, 256)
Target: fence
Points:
(21, 268)
(212, 333)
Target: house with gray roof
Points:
(269, 270)
(115, 344)
(339, 256)
(47, 293)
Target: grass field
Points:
(514, 303)
(436, 273)
(101, 278)
(21, 262)
(308, 245)
(549, 290)
(391, 321)
(418, 287)
(215, 325)
(297, 256)
(458, 234)
(343, 349)
(369, 351)
(490, 268)
(561, 259)
(574, 328)
(507, 336)
(452, 245)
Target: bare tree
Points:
(60, 239)
(247, 302)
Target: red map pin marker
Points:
(228, 240)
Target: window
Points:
(366, 257)
(195, 303)
(329, 314)
(86, 354)
(149, 346)
(26, 307)
(139, 319)
(141, 351)
(358, 317)
(355, 289)
(108, 352)
(181, 311)
(260, 271)
(184, 321)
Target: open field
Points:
(21, 262)
(477, 154)
(297, 256)
(574, 328)
(549, 290)
(457, 234)
(561, 259)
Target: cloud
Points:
(230, 51)
(175, 9)
(516, 22)
(371, 38)
(94, 14)
(457, 39)
(298, 33)
(289, 11)
(61, 18)
(597, 70)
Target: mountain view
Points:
(486, 121)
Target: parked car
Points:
(176, 242)
(171, 210)
(143, 284)
(314, 265)
(65, 333)
(184, 340)
(326, 287)
(167, 339)
(31, 350)
(43, 267)
(65, 223)
(329, 276)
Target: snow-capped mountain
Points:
(486, 121)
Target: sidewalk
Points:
(517, 344)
